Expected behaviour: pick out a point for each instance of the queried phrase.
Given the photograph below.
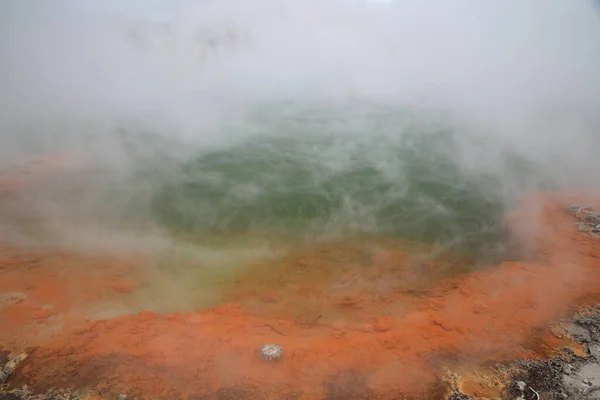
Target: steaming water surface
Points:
(317, 172)
(290, 178)
(303, 175)
(233, 136)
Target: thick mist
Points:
(340, 110)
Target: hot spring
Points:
(229, 140)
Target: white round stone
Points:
(271, 352)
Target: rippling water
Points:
(330, 182)
(311, 172)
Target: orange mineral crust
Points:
(379, 330)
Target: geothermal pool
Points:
(385, 195)
(288, 178)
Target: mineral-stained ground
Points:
(387, 325)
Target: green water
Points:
(315, 173)
(286, 182)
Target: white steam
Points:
(520, 76)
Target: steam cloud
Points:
(518, 77)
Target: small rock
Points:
(568, 369)
(589, 389)
(521, 385)
(3, 377)
(271, 352)
(580, 333)
(593, 218)
(594, 350)
(10, 366)
(574, 208)
(122, 397)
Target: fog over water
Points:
(308, 120)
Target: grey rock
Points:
(3, 377)
(574, 208)
(10, 366)
(521, 385)
(590, 389)
(590, 372)
(578, 332)
(271, 352)
(593, 218)
(594, 350)
(583, 380)
(568, 369)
